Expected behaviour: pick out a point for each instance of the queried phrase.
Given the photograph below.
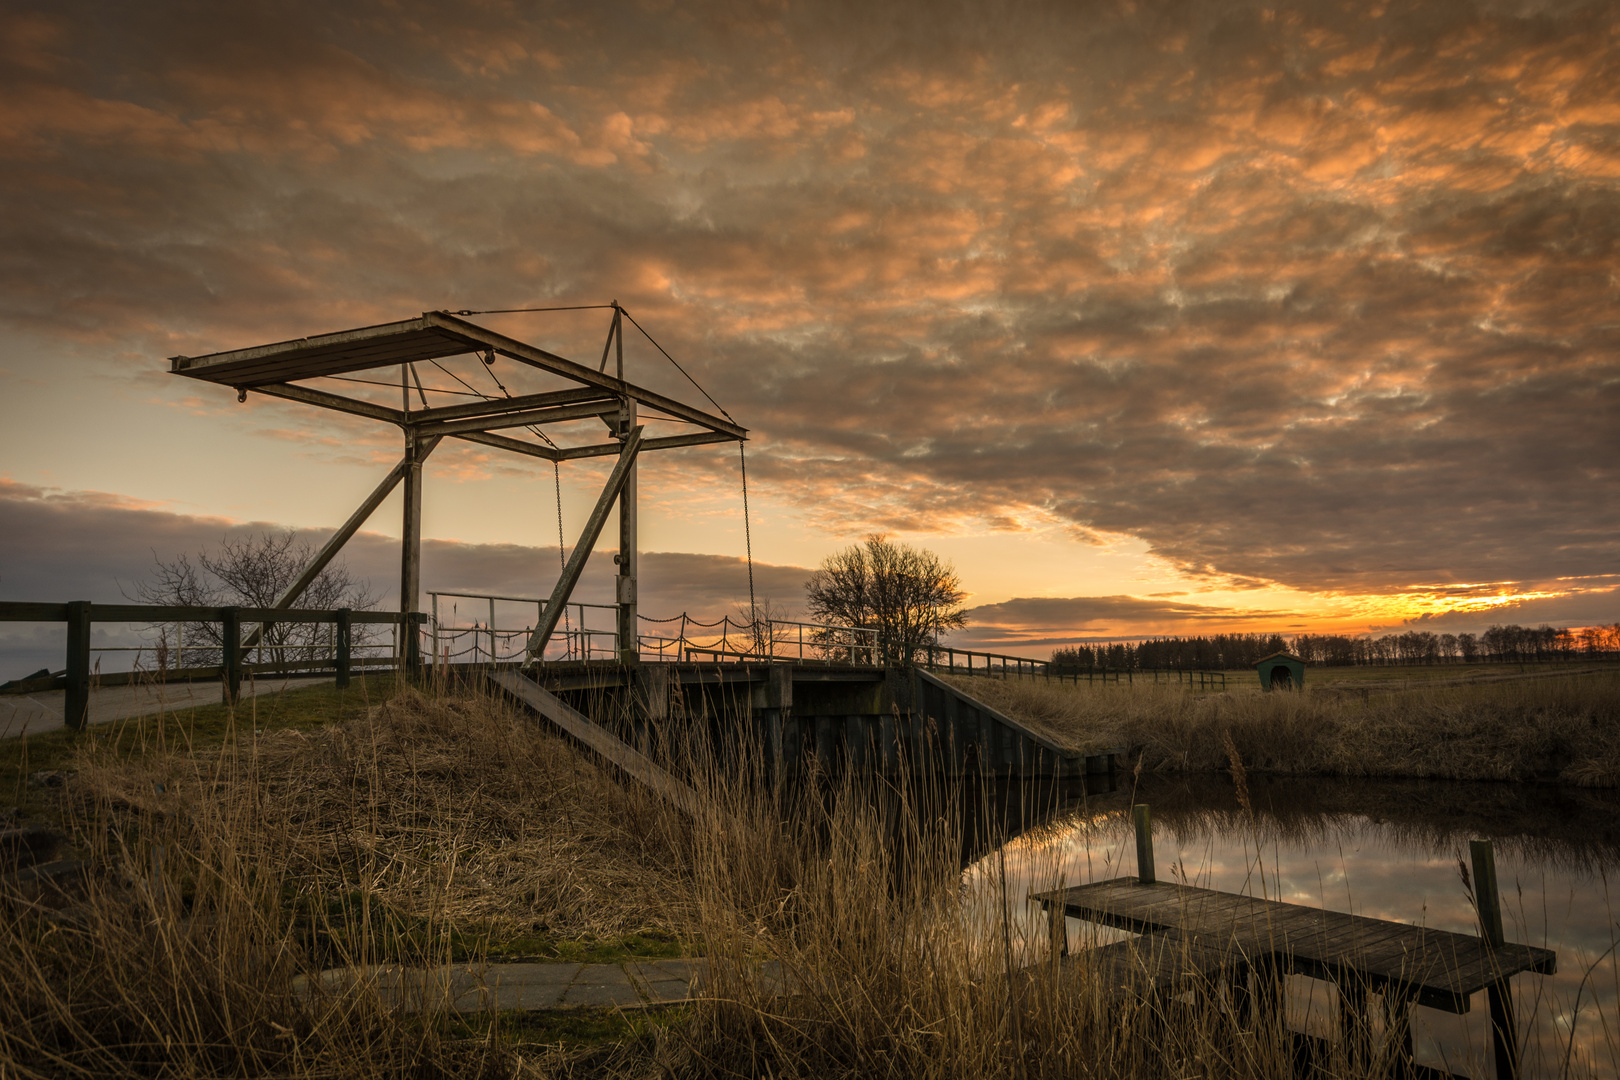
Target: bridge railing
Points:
(481, 639)
(493, 633)
(477, 639)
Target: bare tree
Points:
(908, 595)
(250, 572)
(760, 625)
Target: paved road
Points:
(470, 988)
(38, 713)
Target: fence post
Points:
(344, 646)
(76, 706)
(410, 624)
(230, 654)
(1144, 843)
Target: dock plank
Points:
(1440, 968)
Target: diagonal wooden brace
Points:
(339, 538)
(582, 550)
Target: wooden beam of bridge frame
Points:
(435, 334)
(344, 534)
(496, 406)
(546, 453)
(336, 402)
(506, 442)
(480, 433)
(535, 357)
(666, 442)
(553, 415)
(552, 615)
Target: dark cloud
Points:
(1311, 295)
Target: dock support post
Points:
(1504, 1032)
(1398, 1032)
(1144, 843)
(76, 705)
(344, 655)
(1354, 1028)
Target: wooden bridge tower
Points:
(305, 369)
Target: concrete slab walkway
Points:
(528, 987)
(37, 713)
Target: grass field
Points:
(1419, 674)
(236, 855)
(1564, 727)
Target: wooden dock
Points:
(1436, 968)
(1196, 938)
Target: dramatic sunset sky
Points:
(1153, 318)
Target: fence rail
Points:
(962, 662)
(81, 615)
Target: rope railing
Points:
(485, 640)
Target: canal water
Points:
(1387, 850)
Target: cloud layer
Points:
(1306, 295)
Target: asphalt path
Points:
(38, 713)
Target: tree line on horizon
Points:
(1499, 644)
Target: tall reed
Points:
(1565, 728)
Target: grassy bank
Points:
(232, 856)
(424, 829)
(1565, 729)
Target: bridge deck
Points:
(1436, 968)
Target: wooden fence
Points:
(972, 662)
(81, 615)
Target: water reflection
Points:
(1388, 850)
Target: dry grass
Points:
(455, 806)
(225, 877)
(397, 835)
(1566, 729)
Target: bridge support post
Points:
(774, 718)
(410, 544)
(625, 595)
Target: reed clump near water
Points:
(1564, 729)
(840, 934)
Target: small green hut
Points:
(1281, 671)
